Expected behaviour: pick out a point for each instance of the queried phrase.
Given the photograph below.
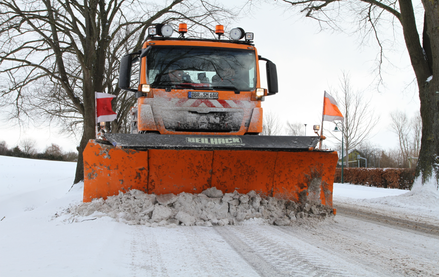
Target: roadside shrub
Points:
(401, 178)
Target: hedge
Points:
(398, 178)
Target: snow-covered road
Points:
(345, 246)
(373, 234)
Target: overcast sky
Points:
(308, 63)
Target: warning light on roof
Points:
(219, 29)
(182, 28)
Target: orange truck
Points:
(196, 125)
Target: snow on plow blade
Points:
(283, 167)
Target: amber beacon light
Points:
(219, 30)
(182, 28)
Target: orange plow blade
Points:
(302, 176)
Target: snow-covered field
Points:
(37, 238)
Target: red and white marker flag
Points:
(330, 109)
(104, 111)
(330, 112)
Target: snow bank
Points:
(211, 207)
(422, 197)
(429, 187)
(347, 190)
(26, 184)
(421, 203)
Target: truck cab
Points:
(197, 86)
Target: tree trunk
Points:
(429, 148)
(89, 131)
(93, 74)
(429, 94)
(428, 88)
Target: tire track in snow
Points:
(295, 256)
(267, 250)
(214, 260)
(146, 258)
(332, 257)
(349, 211)
(374, 248)
(247, 253)
(204, 256)
(184, 251)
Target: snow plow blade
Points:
(283, 167)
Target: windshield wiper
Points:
(202, 86)
(196, 86)
(237, 91)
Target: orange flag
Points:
(330, 109)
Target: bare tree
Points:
(3, 148)
(271, 125)
(408, 132)
(295, 129)
(390, 159)
(71, 156)
(401, 127)
(28, 146)
(54, 150)
(359, 117)
(373, 16)
(371, 153)
(56, 54)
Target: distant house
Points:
(352, 159)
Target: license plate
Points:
(203, 95)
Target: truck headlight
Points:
(146, 88)
(260, 92)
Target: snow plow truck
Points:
(197, 123)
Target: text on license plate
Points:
(203, 95)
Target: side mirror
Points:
(271, 78)
(125, 71)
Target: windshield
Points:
(201, 67)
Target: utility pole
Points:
(342, 148)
